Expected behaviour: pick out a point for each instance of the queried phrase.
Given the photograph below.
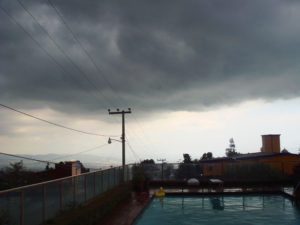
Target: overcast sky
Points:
(195, 74)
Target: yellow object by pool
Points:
(160, 192)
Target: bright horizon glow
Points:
(167, 136)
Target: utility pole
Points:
(123, 112)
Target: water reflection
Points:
(161, 200)
(232, 203)
(217, 203)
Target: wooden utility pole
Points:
(123, 112)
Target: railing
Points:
(236, 202)
(34, 204)
(37, 203)
(239, 170)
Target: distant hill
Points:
(89, 161)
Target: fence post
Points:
(108, 179)
(114, 176)
(60, 195)
(44, 202)
(94, 184)
(102, 186)
(85, 188)
(119, 176)
(128, 173)
(22, 207)
(74, 188)
(162, 171)
(222, 169)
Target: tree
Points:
(148, 161)
(47, 168)
(187, 158)
(149, 169)
(231, 151)
(206, 156)
(13, 176)
(209, 155)
(15, 168)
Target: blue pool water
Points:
(218, 210)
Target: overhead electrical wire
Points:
(143, 131)
(78, 153)
(74, 64)
(27, 158)
(82, 47)
(139, 140)
(61, 17)
(88, 55)
(38, 44)
(41, 47)
(52, 160)
(81, 72)
(56, 124)
(131, 149)
(55, 61)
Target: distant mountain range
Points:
(89, 161)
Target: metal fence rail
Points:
(34, 204)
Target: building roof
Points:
(271, 135)
(220, 159)
(255, 155)
(261, 155)
(241, 157)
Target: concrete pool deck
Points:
(127, 211)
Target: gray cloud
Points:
(169, 55)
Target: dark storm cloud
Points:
(158, 55)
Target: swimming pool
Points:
(216, 209)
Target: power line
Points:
(131, 149)
(61, 50)
(134, 154)
(143, 131)
(27, 158)
(44, 49)
(134, 159)
(48, 162)
(38, 44)
(56, 124)
(139, 139)
(91, 149)
(41, 47)
(61, 17)
(88, 55)
(88, 150)
(82, 47)
(81, 72)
